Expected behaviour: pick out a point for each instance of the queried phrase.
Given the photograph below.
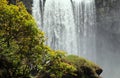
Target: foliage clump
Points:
(55, 67)
(22, 49)
(21, 42)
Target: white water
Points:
(84, 12)
(68, 27)
(59, 25)
(37, 11)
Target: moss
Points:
(85, 68)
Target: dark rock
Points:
(99, 71)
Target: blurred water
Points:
(85, 20)
(69, 27)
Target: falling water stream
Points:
(59, 25)
(85, 20)
(37, 11)
(69, 26)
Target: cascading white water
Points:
(37, 11)
(59, 25)
(67, 28)
(84, 12)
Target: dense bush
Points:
(55, 67)
(22, 49)
(21, 42)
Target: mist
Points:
(108, 38)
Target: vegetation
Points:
(22, 48)
(85, 68)
(54, 67)
(20, 40)
(23, 53)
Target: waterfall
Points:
(37, 11)
(59, 25)
(68, 26)
(84, 13)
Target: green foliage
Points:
(21, 42)
(55, 67)
(22, 49)
(85, 68)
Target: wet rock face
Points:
(28, 4)
(108, 15)
(108, 36)
(108, 23)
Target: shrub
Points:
(22, 46)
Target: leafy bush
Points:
(22, 49)
(54, 66)
(21, 42)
